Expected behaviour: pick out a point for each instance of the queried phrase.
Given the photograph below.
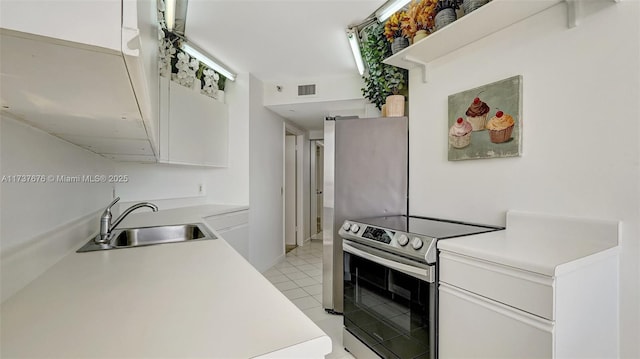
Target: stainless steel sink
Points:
(145, 236)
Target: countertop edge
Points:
(503, 248)
(315, 345)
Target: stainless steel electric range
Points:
(390, 283)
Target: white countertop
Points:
(197, 299)
(146, 217)
(539, 243)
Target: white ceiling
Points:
(281, 41)
(311, 115)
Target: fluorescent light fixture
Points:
(389, 8)
(352, 34)
(199, 54)
(170, 14)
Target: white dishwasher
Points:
(547, 287)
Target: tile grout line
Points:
(302, 268)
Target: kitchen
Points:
(577, 160)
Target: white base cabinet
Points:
(490, 310)
(546, 287)
(472, 326)
(234, 229)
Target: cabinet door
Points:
(140, 52)
(471, 326)
(95, 23)
(238, 238)
(233, 227)
(197, 128)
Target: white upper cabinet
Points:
(95, 23)
(85, 71)
(194, 127)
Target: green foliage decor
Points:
(381, 80)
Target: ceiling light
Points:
(352, 34)
(389, 8)
(170, 14)
(199, 54)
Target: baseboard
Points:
(279, 259)
(24, 263)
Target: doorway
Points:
(290, 191)
(317, 182)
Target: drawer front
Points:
(228, 220)
(527, 291)
(476, 327)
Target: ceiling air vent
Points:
(306, 90)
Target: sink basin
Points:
(145, 236)
(132, 237)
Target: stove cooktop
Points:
(409, 236)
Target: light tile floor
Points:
(299, 278)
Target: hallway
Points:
(299, 278)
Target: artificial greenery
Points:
(169, 53)
(380, 80)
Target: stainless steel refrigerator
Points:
(366, 172)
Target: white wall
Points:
(42, 222)
(581, 91)
(316, 135)
(228, 185)
(327, 89)
(265, 185)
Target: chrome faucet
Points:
(105, 220)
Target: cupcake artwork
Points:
(500, 127)
(486, 122)
(460, 134)
(477, 114)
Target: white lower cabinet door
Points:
(238, 238)
(233, 227)
(471, 326)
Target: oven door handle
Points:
(425, 274)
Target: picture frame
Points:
(486, 121)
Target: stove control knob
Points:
(355, 228)
(346, 226)
(403, 240)
(416, 243)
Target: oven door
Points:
(389, 302)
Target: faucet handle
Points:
(105, 222)
(113, 202)
(107, 211)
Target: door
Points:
(317, 182)
(290, 190)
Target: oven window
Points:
(391, 312)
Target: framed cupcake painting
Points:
(486, 122)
